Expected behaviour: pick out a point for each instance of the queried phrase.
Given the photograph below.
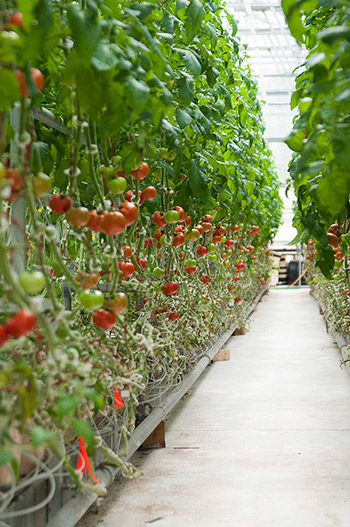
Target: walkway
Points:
(261, 441)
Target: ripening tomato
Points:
(112, 223)
(103, 319)
(126, 269)
(173, 316)
(192, 235)
(170, 288)
(37, 77)
(158, 234)
(78, 217)
(127, 251)
(129, 211)
(157, 218)
(16, 19)
(41, 185)
(14, 177)
(21, 324)
(118, 303)
(141, 172)
(236, 228)
(148, 193)
(59, 203)
(88, 280)
(206, 226)
(346, 291)
(3, 335)
(94, 222)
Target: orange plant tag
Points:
(83, 463)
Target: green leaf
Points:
(85, 430)
(86, 31)
(191, 62)
(295, 140)
(243, 114)
(105, 56)
(137, 93)
(293, 15)
(9, 89)
(334, 33)
(185, 92)
(39, 436)
(183, 118)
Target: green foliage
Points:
(321, 133)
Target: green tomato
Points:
(2, 171)
(32, 281)
(223, 239)
(158, 272)
(211, 248)
(338, 264)
(164, 241)
(108, 172)
(165, 154)
(172, 216)
(41, 184)
(91, 299)
(116, 160)
(192, 235)
(190, 263)
(212, 256)
(117, 185)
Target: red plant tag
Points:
(118, 401)
(83, 463)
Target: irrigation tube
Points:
(76, 507)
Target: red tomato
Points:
(157, 218)
(221, 231)
(158, 234)
(94, 222)
(21, 324)
(112, 223)
(59, 203)
(199, 228)
(129, 211)
(201, 250)
(16, 19)
(126, 269)
(229, 243)
(142, 263)
(38, 79)
(216, 239)
(3, 335)
(149, 242)
(236, 278)
(237, 299)
(148, 193)
(190, 270)
(178, 240)
(14, 177)
(78, 217)
(173, 316)
(127, 251)
(205, 279)
(181, 212)
(103, 319)
(207, 218)
(141, 172)
(130, 195)
(179, 228)
(187, 220)
(236, 228)
(170, 288)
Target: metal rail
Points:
(73, 511)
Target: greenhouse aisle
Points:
(261, 441)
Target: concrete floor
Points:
(261, 441)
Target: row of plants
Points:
(150, 203)
(320, 136)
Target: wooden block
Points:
(222, 355)
(156, 439)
